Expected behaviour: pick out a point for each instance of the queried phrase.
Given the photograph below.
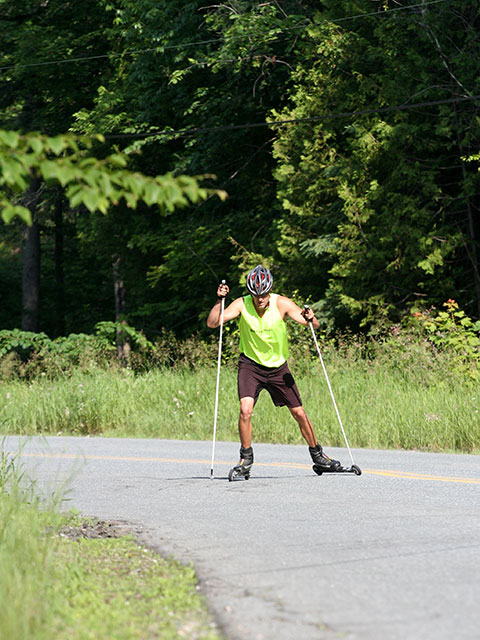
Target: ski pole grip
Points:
(222, 282)
(306, 308)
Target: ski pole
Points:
(218, 383)
(310, 322)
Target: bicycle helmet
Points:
(259, 281)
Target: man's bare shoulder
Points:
(234, 309)
(284, 302)
(238, 302)
(285, 305)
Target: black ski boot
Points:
(242, 469)
(321, 462)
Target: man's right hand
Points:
(232, 311)
(222, 290)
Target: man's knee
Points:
(246, 408)
(298, 413)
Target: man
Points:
(263, 358)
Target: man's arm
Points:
(288, 308)
(230, 313)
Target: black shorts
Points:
(278, 381)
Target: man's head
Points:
(259, 281)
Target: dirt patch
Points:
(96, 529)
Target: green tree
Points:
(92, 183)
(380, 203)
(41, 86)
(218, 69)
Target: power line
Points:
(328, 116)
(161, 48)
(380, 13)
(158, 49)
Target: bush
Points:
(427, 346)
(26, 355)
(449, 332)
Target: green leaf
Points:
(153, 193)
(57, 144)
(9, 212)
(90, 199)
(131, 199)
(49, 169)
(433, 260)
(36, 145)
(13, 173)
(117, 160)
(10, 138)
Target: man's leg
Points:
(245, 430)
(316, 451)
(245, 421)
(305, 425)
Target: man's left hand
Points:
(308, 314)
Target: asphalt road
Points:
(393, 554)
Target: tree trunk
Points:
(472, 226)
(31, 265)
(123, 347)
(59, 274)
(473, 248)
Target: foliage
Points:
(28, 354)
(40, 88)
(418, 343)
(94, 183)
(23, 341)
(236, 71)
(451, 331)
(374, 201)
(355, 195)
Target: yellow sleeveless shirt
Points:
(263, 339)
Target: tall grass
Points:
(384, 403)
(409, 387)
(27, 560)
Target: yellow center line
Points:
(420, 476)
(287, 465)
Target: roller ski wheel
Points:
(238, 472)
(320, 469)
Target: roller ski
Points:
(323, 464)
(242, 469)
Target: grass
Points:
(26, 556)
(114, 588)
(57, 585)
(26, 561)
(382, 405)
